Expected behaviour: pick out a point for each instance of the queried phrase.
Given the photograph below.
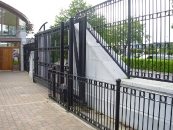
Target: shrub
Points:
(15, 62)
(150, 52)
(151, 64)
(136, 50)
(169, 52)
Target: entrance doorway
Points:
(6, 58)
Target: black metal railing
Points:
(110, 106)
(136, 34)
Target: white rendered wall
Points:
(21, 34)
(31, 64)
(99, 65)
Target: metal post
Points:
(118, 81)
(35, 58)
(53, 81)
(129, 37)
(84, 46)
(62, 53)
(49, 83)
(82, 57)
(70, 80)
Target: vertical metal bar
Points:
(153, 115)
(118, 81)
(165, 112)
(49, 83)
(107, 104)
(171, 105)
(148, 113)
(100, 84)
(62, 52)
(159, 112)
(130, 115)
(134, 109)
(110, 105)
(70, 80)
(35, 58)
(126, 107)
(129, 37)
(113, 96)
(143, 111)
(53, 81)
(139, 104)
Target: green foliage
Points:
(15, 62)
(148, 51)
(116, 49)
(74, 7)
(151, 64)
(170, 52)
(119, 33)
(55, 42)
(134, 50)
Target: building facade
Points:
(14, 26)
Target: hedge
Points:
(134, 50)
(169, 52)
(150, 52)
(151, 64)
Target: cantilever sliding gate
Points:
(54, 55)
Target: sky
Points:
(41, 11)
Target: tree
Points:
(64, 15)
(74, 7)
(172, 13)
(119, 33)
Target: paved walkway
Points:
(25, 106)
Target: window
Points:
(10, 23)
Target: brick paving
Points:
(25, 106)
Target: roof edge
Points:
(18, 13)
(14, 11)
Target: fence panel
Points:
(113, 106)
(136, 34)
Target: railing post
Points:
(118, 81)
(62, 52)
(70, 72)
(53, 81)
(49, 83)
(129, 37)
(35, 58)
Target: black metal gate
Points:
(54, 56)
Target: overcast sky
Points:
(41, 11)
